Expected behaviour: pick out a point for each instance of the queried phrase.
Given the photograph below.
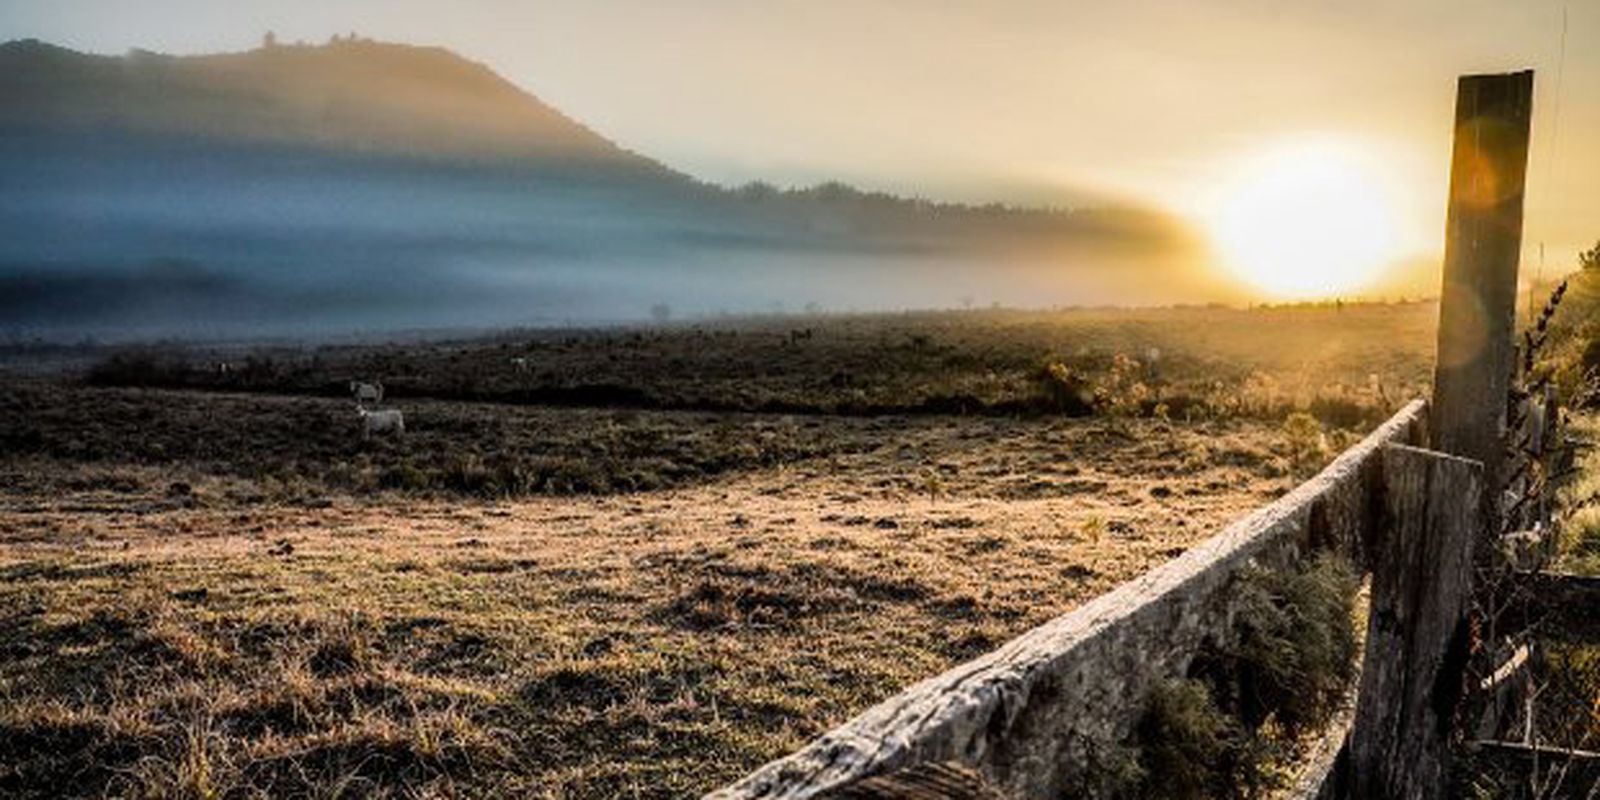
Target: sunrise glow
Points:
(1305, 222)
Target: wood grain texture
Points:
(1418, 636)
(930, 781)
(1483, 241)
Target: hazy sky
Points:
(1154, 100)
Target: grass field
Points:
(1347, 364)
(217, 588)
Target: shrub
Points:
(1297, 647)
(1066, 391)
(1222, 732)
(405, 476)
(1306, 442)
(1192, 750)
(1123, 392)
(467, 474)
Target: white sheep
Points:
(381, 421)
(367, 392)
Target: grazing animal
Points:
(367, 392)
(388, 420)
(520, 363)
(224, 368)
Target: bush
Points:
(1192, 750)
(1306, 443)
(1123, 393)
(1066, 391)
(1223, 731)
(404, 476)
(1297, 648)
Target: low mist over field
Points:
(360, 185)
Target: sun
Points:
(1305, 222)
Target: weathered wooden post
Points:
(1417, 637)
(1483, 242)
(1440, 504)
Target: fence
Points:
(1031, 716)
(1035, 717)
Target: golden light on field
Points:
(1305, 222)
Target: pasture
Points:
(641, 565)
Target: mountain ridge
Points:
(352, 94)
(326, 107)
(380, 182)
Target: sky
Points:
(1158, 102)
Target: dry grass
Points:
(1349, 365)
(228, 594)
(1580, 533)
(300, 448)
(215, 642)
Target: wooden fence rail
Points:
(1033, 716)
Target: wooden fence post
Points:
(1438, 507)
(1418, 637)
(1477, 303)
(1483, 241)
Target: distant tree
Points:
(661, 312)
(1590, 259)
(834, 192)
(758, 190)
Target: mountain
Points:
(353, 95)
(370, 185)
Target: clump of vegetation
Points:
(1578, 664)
(1123, 392)
(1194, 750)
(1066, 391)
(1297, 647)
(1568, 337)
(1580, 546)
(1307, 444)
(1590, 259)
(1225, 731)
(1580, 530)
